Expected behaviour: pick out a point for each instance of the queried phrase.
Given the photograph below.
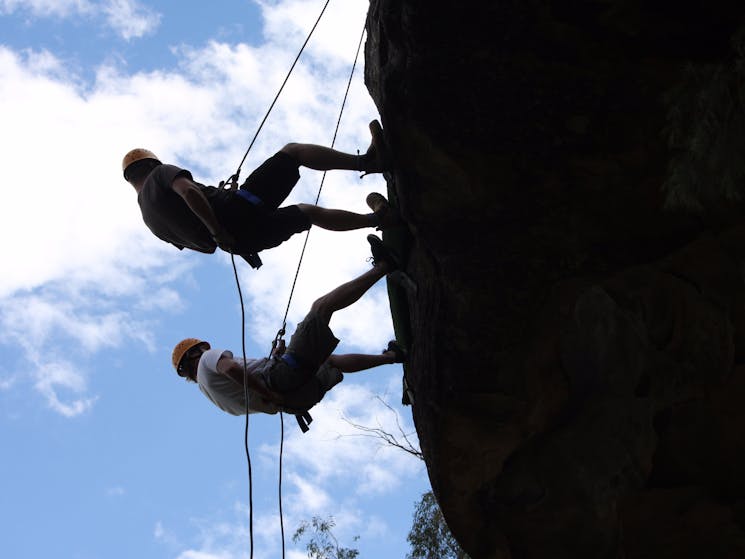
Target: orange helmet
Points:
(181, 348)
(135, 155)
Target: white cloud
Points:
(58, 326)
(312, 497)
(128, 18)
(30, 321)
(7, 382)
(116, 491)
(219, 538)
(62, 383)
(335, 39)
(47, 8)
(72, 214)
(375, 527)
(82, 260)
(340, 448)
(165, 536)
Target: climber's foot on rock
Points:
(377, 158)
(386, 214)
(381, 254)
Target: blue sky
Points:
(105, 452)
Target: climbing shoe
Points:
(386, 214)
(381, 253)
(399, 352)
(377, 158)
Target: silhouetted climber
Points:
(296, 379)
(245, 221)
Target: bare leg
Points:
(353, 362)
(322, 158)
(337, 220)
(347, 293)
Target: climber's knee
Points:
(323, 308)
(292, 149)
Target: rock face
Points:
(570, 177)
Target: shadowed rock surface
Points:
(572, 185)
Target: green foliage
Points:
(321, 542)
(706, 134)
(430, 537)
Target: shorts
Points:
(273, 180)
(307, 389)
(267, 229)
(263, 226)
(313, 341)
(305, 385)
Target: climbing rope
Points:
(233, 182)
(245, 396)
(281, 331)
(318, 195)
(279, 490)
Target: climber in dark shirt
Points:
(245, 221)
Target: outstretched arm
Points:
(198, 204)
(234, 371)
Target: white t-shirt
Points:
(223, 391)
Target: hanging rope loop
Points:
(245, 395)
(323, 177)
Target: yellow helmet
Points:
(181, 348)
(135, 155)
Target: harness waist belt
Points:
(297, 362)
(249, 197)
(291, 360)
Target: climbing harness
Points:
(303, 417)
